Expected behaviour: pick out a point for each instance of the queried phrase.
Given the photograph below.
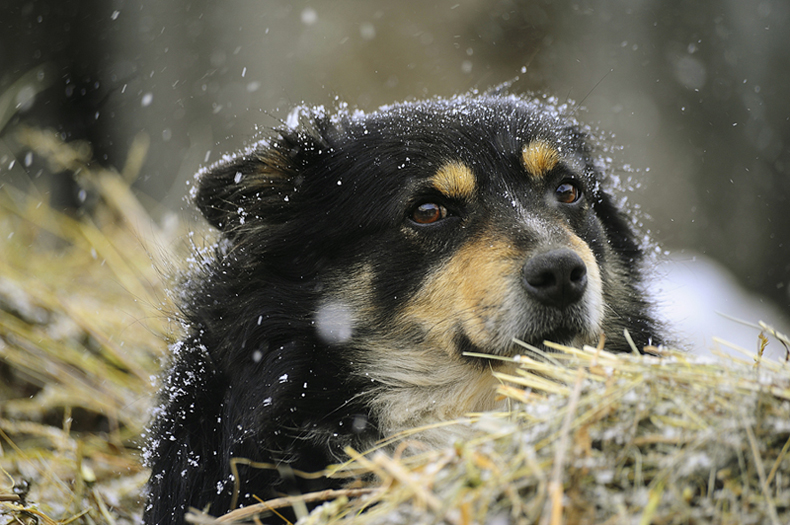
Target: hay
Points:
(83, 326)
(587, 436)
(594, 437)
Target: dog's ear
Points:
(252, 188)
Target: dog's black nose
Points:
(556, 278)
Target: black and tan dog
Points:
(362, 256)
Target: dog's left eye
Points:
(567, 193)
(428, 213)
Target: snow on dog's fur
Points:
(363, 256)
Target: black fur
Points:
(322, 210)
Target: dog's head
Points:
(442, 226)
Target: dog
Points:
(367, 263)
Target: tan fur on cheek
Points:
(467, 293)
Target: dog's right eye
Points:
(568, 192)
(428, 213)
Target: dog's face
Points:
(484, 241)
(426, 231)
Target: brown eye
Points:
(567, 193)
(429, 213)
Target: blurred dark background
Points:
(696, 93)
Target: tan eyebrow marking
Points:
(539, 157)
(455, 180)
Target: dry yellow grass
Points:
(595, 438)
(83, 326)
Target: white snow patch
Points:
(309, 16)
(334, 322)
(292, 120)
(699, 298)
